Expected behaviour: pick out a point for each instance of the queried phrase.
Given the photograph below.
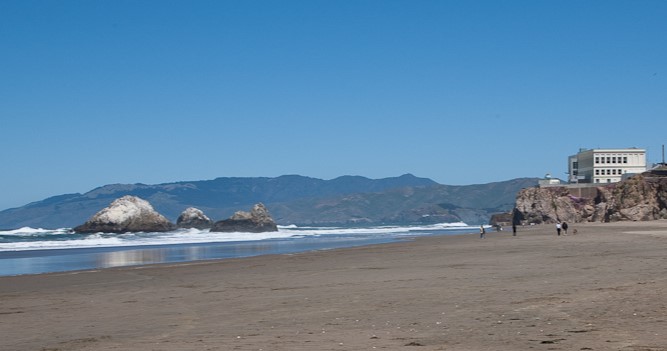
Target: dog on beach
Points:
(574, 231)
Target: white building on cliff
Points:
(605, 165)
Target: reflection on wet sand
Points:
(189, 253)
(31, 262)
(132, 257)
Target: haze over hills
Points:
(291, 199)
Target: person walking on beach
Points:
(564, 228)
(513, 229)
(558, 226)
(482, 232)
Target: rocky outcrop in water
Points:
(640, 198)
(124, 215)
(193, 218)
(256, 221)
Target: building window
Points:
(597, 160)
(609, 172)
(625, 160)
(613, 171)
(608, 180)
(620, 171)
(608, 159)
(597, 180)
(613, 159)
(597, 172)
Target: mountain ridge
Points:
(292, 199)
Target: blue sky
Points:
(462, 92)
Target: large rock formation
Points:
(193, 218)
(552, 204)
(127, 214)
(256, 221)
(640, 198)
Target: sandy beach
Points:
(601, 289)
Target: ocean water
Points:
(32, 251)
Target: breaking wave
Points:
(49, 239)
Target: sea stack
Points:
(124, 215)
(193, 218)
(256, 221)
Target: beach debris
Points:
(552, 341)
(414, 343)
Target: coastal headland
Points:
(601, 289)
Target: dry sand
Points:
(602, 289)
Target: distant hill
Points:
(291, 199)
(473, 204)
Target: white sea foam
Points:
(54, 239)
(28, 231)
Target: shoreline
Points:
(597, 290)
(38, 261)
(95, 259)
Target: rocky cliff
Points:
(640, 198)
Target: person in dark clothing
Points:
(564, 228)
(513, 229)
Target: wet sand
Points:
(601, 289)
